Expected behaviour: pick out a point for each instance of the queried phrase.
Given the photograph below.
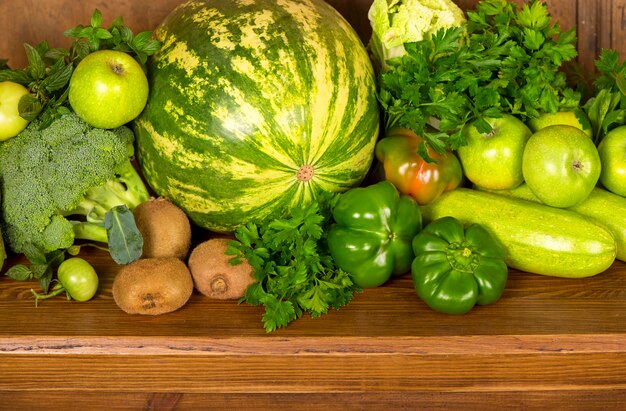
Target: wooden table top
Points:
(547, 338)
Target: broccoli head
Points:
(58, 182)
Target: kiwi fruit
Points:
(152, 286)
(165, 229)
(212, 273)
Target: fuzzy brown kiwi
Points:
(152, 286)
(212, 273)
(165, 229)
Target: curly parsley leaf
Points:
(504, 60)
(293, 269)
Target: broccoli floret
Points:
(58, 182)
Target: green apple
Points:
(561, 165)
(612, 150)
(494, 160)
(560, 117)
(108, 89)
(10, 121)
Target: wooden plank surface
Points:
(547, 338)
(549, 343)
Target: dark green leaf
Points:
(151, 47)
(141, 40)
(102, 34)
(62, 110)
(96, 18)
(39, 270)
(82, 49)
(620, 82)
(74, 32)
(36, 65)
(29, 107)
(55, 258)
(94, 43)
(613, 118)
(34, 254)
(17, 76)
(19, 272)
(142, 58)
(45, 280)
(56, 54)
(58, 78)
(116, 37)
(117, 23)
(125, 240)
(127, 35)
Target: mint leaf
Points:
(29, 107)
(36, 66)
(19, 272)
(96, 18)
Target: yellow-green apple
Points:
(10, 121)
(560, 117)
(561, 165)
(494, 160)
(108, 89)
(612, 150)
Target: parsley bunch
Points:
(293, 269)
(49, 70)
(535, 83)
(504, 60)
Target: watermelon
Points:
(256, 107)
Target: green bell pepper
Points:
(456, 267)
(372, 233)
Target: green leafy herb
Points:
(116, 37)
(41, 267)
(535, 83)
(505, 60)
(49, 70)
(293, 269)
(607, 108)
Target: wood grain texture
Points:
(549, 343)
(548, 340)
(519, 400)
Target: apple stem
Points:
(116, 68)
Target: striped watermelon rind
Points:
(256, 107)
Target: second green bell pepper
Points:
(456, 267)
(372, 233)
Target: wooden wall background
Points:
(600, 23)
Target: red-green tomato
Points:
(410, 173)
(78, 278)
(108, 89)
(10, 121)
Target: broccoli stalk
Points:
(58, 183)
(126, 188)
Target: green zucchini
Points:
(537, 238)
(606, 208)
